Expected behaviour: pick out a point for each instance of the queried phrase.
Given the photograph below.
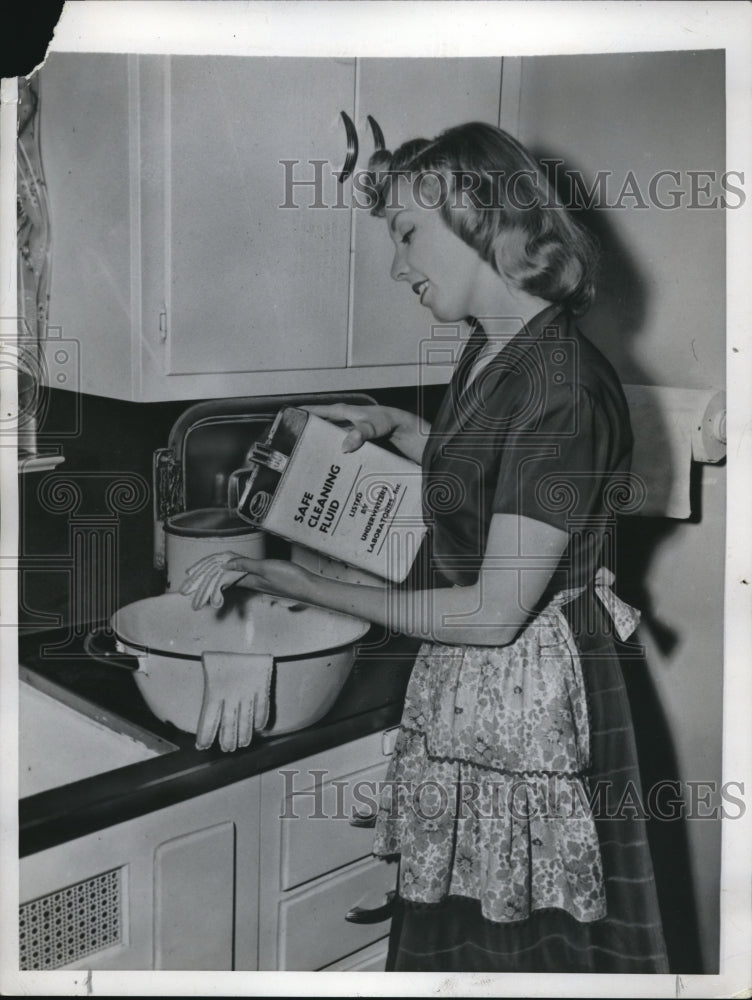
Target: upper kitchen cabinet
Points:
(91, 176)
(174, 266)
(256, 275)
(408, 98)
(192, 255)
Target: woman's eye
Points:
(408, 235)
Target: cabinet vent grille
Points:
(77, 920)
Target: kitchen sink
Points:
(65, 738)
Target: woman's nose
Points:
(399, 269)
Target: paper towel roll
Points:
(672, 428)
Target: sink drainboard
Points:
(73, 922)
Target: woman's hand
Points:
(210, 576)
(406, 431)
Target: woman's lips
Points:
(420, 288)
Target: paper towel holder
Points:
(673, 429)
(709, 438)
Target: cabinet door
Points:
(408, 98)
(257, 274)
(174, 889)
(87, 160)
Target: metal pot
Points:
(193, 534)
(164, 638)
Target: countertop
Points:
(371, 700)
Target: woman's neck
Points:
(501, 326)
(501, 309)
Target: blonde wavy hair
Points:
(497, 199)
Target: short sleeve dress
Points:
(506, 799)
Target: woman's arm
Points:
(521, 555)
(406, 431)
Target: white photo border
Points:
(447, 29)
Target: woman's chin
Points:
(441, 315)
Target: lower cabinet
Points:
(323, 897)
(273, 872)
(168, 890)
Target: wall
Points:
(111, 441)
(660, 318)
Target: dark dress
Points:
(542, 432)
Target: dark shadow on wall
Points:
(622, 301)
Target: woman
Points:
(511, 801)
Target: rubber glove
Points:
(207, 579)
(236, 698)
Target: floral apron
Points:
(486, 794)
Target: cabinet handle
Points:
(367, 820)
(361, 915)
(352, 148)
(378, 135)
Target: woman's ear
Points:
(430, 190)
(506, 251)
(510, 257)
(498, 254)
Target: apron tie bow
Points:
(624, 616)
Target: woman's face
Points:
(446, 274)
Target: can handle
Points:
(233, 487)
(262, 454)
